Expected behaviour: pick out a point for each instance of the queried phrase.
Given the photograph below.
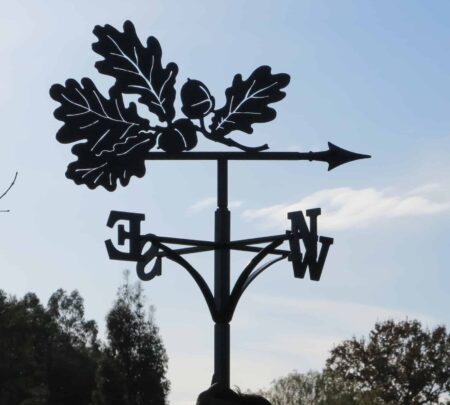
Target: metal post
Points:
(222, 278)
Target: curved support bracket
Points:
(241, 282)
(175, 257)
(249, 280)
(259, 270)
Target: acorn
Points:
(177, 137)
(197, 100)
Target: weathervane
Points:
(112, 143)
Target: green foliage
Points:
(39, 364)
(134, 362)
(68, 313)
(51, 355)
(24, 331)
(399, 364)
(73, 350)
(296, 388)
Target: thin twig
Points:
(10, 186)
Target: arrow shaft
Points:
(237, 156)
(334, 156)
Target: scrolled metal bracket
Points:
(300, 233)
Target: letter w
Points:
(300, 230)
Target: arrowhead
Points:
(338, 156)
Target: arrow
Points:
(334, 156)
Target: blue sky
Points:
(372, 77)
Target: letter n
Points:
(300, 231)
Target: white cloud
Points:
(209, 202)
(202, 204)
(356, 317)
(427, 188)
(346, 207)
(235, 204)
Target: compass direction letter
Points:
(299, 230)
(132, 236)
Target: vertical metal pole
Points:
(222, 278)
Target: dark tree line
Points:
(400, 363)
(51, 355)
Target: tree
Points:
(314, 388)
(296, 388)
(24, 331)
(400, 363)
(73, 351)
(40, 362)
(134, 362)
(51, 355)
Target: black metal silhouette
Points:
(225, 396)
(222, 302)
(137, 69)
(117, 142)
(114, 134)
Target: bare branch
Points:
(9, 188)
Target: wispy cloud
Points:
(209, 202)
(425, 189)
(347, 315)
(349, 208)
(202, 204)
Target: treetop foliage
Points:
(400, 363)
(51, 355)
(134, 362)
